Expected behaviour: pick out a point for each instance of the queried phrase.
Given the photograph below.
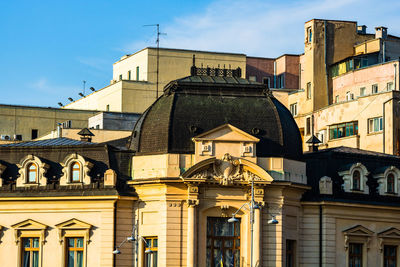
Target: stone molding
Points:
(85, 167)
(348, 178)
(41, 179)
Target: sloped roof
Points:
(196, 104)
(60, 141)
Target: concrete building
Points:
(24, 123)
(349, 82)
(134, 84)
(204, 152)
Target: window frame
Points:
(268, 79)
(374, 88)
(41, 170)
(354, 256)
(291, 253)
(348, 178)
(29, 171)
(389, 237)
(236, 239)
(344, 126)
(293, 109)
(75, 249)
(308, 90)
(357, 235)
(73, 170)
(309, 34)
(372, 123)
(382, 178)
(73, 228)
(145, 246)
(363, 91)
(85, 167)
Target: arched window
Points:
(76, 172)
(390, 183)
(356, 180)
(32, 173)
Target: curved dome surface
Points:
(195, 104)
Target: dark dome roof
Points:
(195, 104)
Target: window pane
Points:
(25, 260)
(32, 176)
(71, 259)
(155, 256)
(79, 259)
(35, 262)
(79, 242)
(71, 242)
(27, 243)
(35, 242)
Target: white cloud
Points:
(42, 85)
(267, 28)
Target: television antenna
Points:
(158, 50)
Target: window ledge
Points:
(345, 137)
(374, 133)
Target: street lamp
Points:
(131, 238)
(252, 206)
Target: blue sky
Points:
(48, 48)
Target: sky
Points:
(48, 48)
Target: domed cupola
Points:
(196, 104)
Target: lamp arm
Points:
(123, 242)
(233, 214)
(144, 240)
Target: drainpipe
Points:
(326, 65)
(383, 51)
(115, 232)
(320, 235)
(395, 76)
(383, 121)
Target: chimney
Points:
(313, 144)
(381, 32)
(86, 135)
(361, 29)
(59, 130)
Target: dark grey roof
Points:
(196, 104)
(60, 141)
(351, 150)
(313, 140)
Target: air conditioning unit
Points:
(18, 137)
(5, 137)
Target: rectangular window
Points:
(308, 90)
(75, 252)
(374, 88)
(389, 86)
(293, 109)
(337, 99)
(290, 253)
(223, 242)
(266, 80)
(137, 73)
(343, 130)
(30, 252)
(150, 252)
(253, 78)
(363, 90)
(355, 255)
(308, 126)
(309, 35)
(129, 75)
(108, 108)
(280, 81)
(35, 133)
(390, 256)
(120, 77)
(375, 125)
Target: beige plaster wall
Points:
(335, 219)
(22, 119)
(98, 213)
(352, 81)
(152, 166)
(129, 63)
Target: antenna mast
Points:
(158, 51)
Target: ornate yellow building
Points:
(213, 175)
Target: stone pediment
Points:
(29, 225)
(390, 233)
(358, 230)
(227, 171)
(226, 132)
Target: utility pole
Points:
(158, 51)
